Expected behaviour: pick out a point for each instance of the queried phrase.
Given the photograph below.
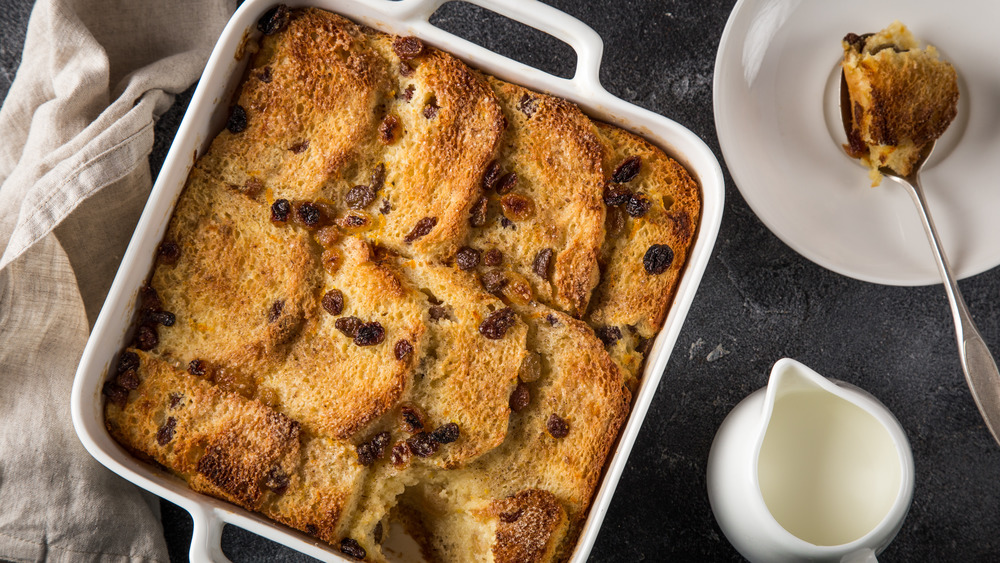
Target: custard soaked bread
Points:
(901, 98)
(377, 299)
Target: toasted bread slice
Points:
(554, 205)
(310, 100)
(468, 377)
(582, 386)
(236, 449)
(336, 383)
(241, 288)
(448, 127)
(631, 302)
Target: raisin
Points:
(333, 302)
(495, 326)
(275, 311)
(493, 281)
(616, 195)
(128, 379)
(478, 213)
(506, 183)
(386, 207)
(115, 393)
(637, 205)
(531, 368)
(331, 260)
(273, 20)
(491, 175)
(557, 427)
(299, 148)
(165, 318)
(377, 533)
(657, 259)
(312, 529)
(348, 325)
(609, 334)
(422, 227)
(517, 207)
(437, 313)
(309, 214)
(359, 197)
(408, 47)
(446, 434)
(493, 257)
(378, 178)
(352, 548)
(265, 75)
(542, 262)
(402, 349)
(387, 129)
(169, 252)
(406, 71)
(553, 320)
(128, 361)
(627, 170)
(520, 397)
(237, 122)
(175, 400)
(411, 418)
(422, 445)
(146, 338)
(431, 110)
(379, 442)
(507, 223)
(511, 517)
(166, 432)
(369, 334)
(643, 345)
(366, 454)
(277, 480)
(353, 222)
(252, 187)
(400, 454)
(527, 105)
(467, 258)
(149, 299)
(280, 210)
(197, 367)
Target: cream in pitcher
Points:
(810, 469)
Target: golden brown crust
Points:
(551, 147)
(530, 524)
(319, 353)
(902, 98)
(237, 304)
(630, 300)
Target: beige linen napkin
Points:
(76, 130)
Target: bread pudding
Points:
(395, 289)
(901, 98)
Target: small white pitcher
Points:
(809, 469)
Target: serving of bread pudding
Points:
(395, 289)
(901, 98)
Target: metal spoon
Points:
(977, 362)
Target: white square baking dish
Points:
(206, 116)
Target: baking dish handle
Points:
(206, 538)
(579, 36)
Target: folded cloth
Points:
(76, 130)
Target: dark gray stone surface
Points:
(759, 301)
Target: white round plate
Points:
(778, 120)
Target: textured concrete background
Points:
(759, 301)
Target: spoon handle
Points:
(977, 362)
